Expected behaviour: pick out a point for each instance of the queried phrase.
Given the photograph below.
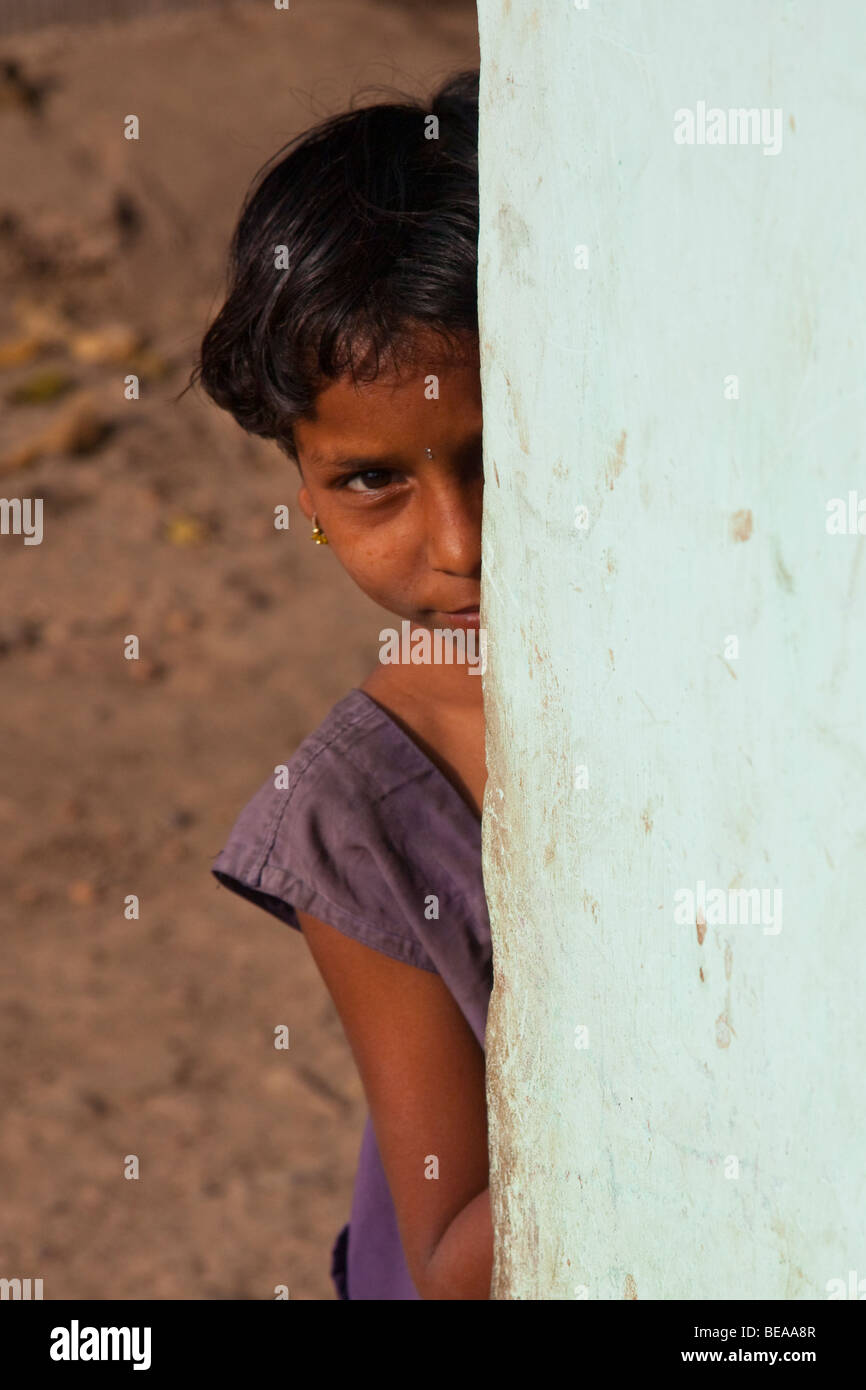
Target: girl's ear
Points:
(305, 502)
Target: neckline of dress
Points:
(417, 750)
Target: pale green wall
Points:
(605, 387)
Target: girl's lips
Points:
(465, 617)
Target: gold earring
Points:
(318, 534)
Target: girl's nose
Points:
(452, 520)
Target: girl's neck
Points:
(441, 708)
(439, 691)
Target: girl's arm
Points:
(423, 1076)
(463, 1258)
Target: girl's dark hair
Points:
(380, 226)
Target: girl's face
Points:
(404, 525)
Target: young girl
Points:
(353, 286)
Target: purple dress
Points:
(366, 830)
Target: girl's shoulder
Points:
(360, 829)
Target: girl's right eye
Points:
(369, 473)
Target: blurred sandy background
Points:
(155, 1037)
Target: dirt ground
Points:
(154, 1037)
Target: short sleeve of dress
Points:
(320, 835)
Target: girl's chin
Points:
(433, 621)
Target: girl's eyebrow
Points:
(349, 462)
(353, 461)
